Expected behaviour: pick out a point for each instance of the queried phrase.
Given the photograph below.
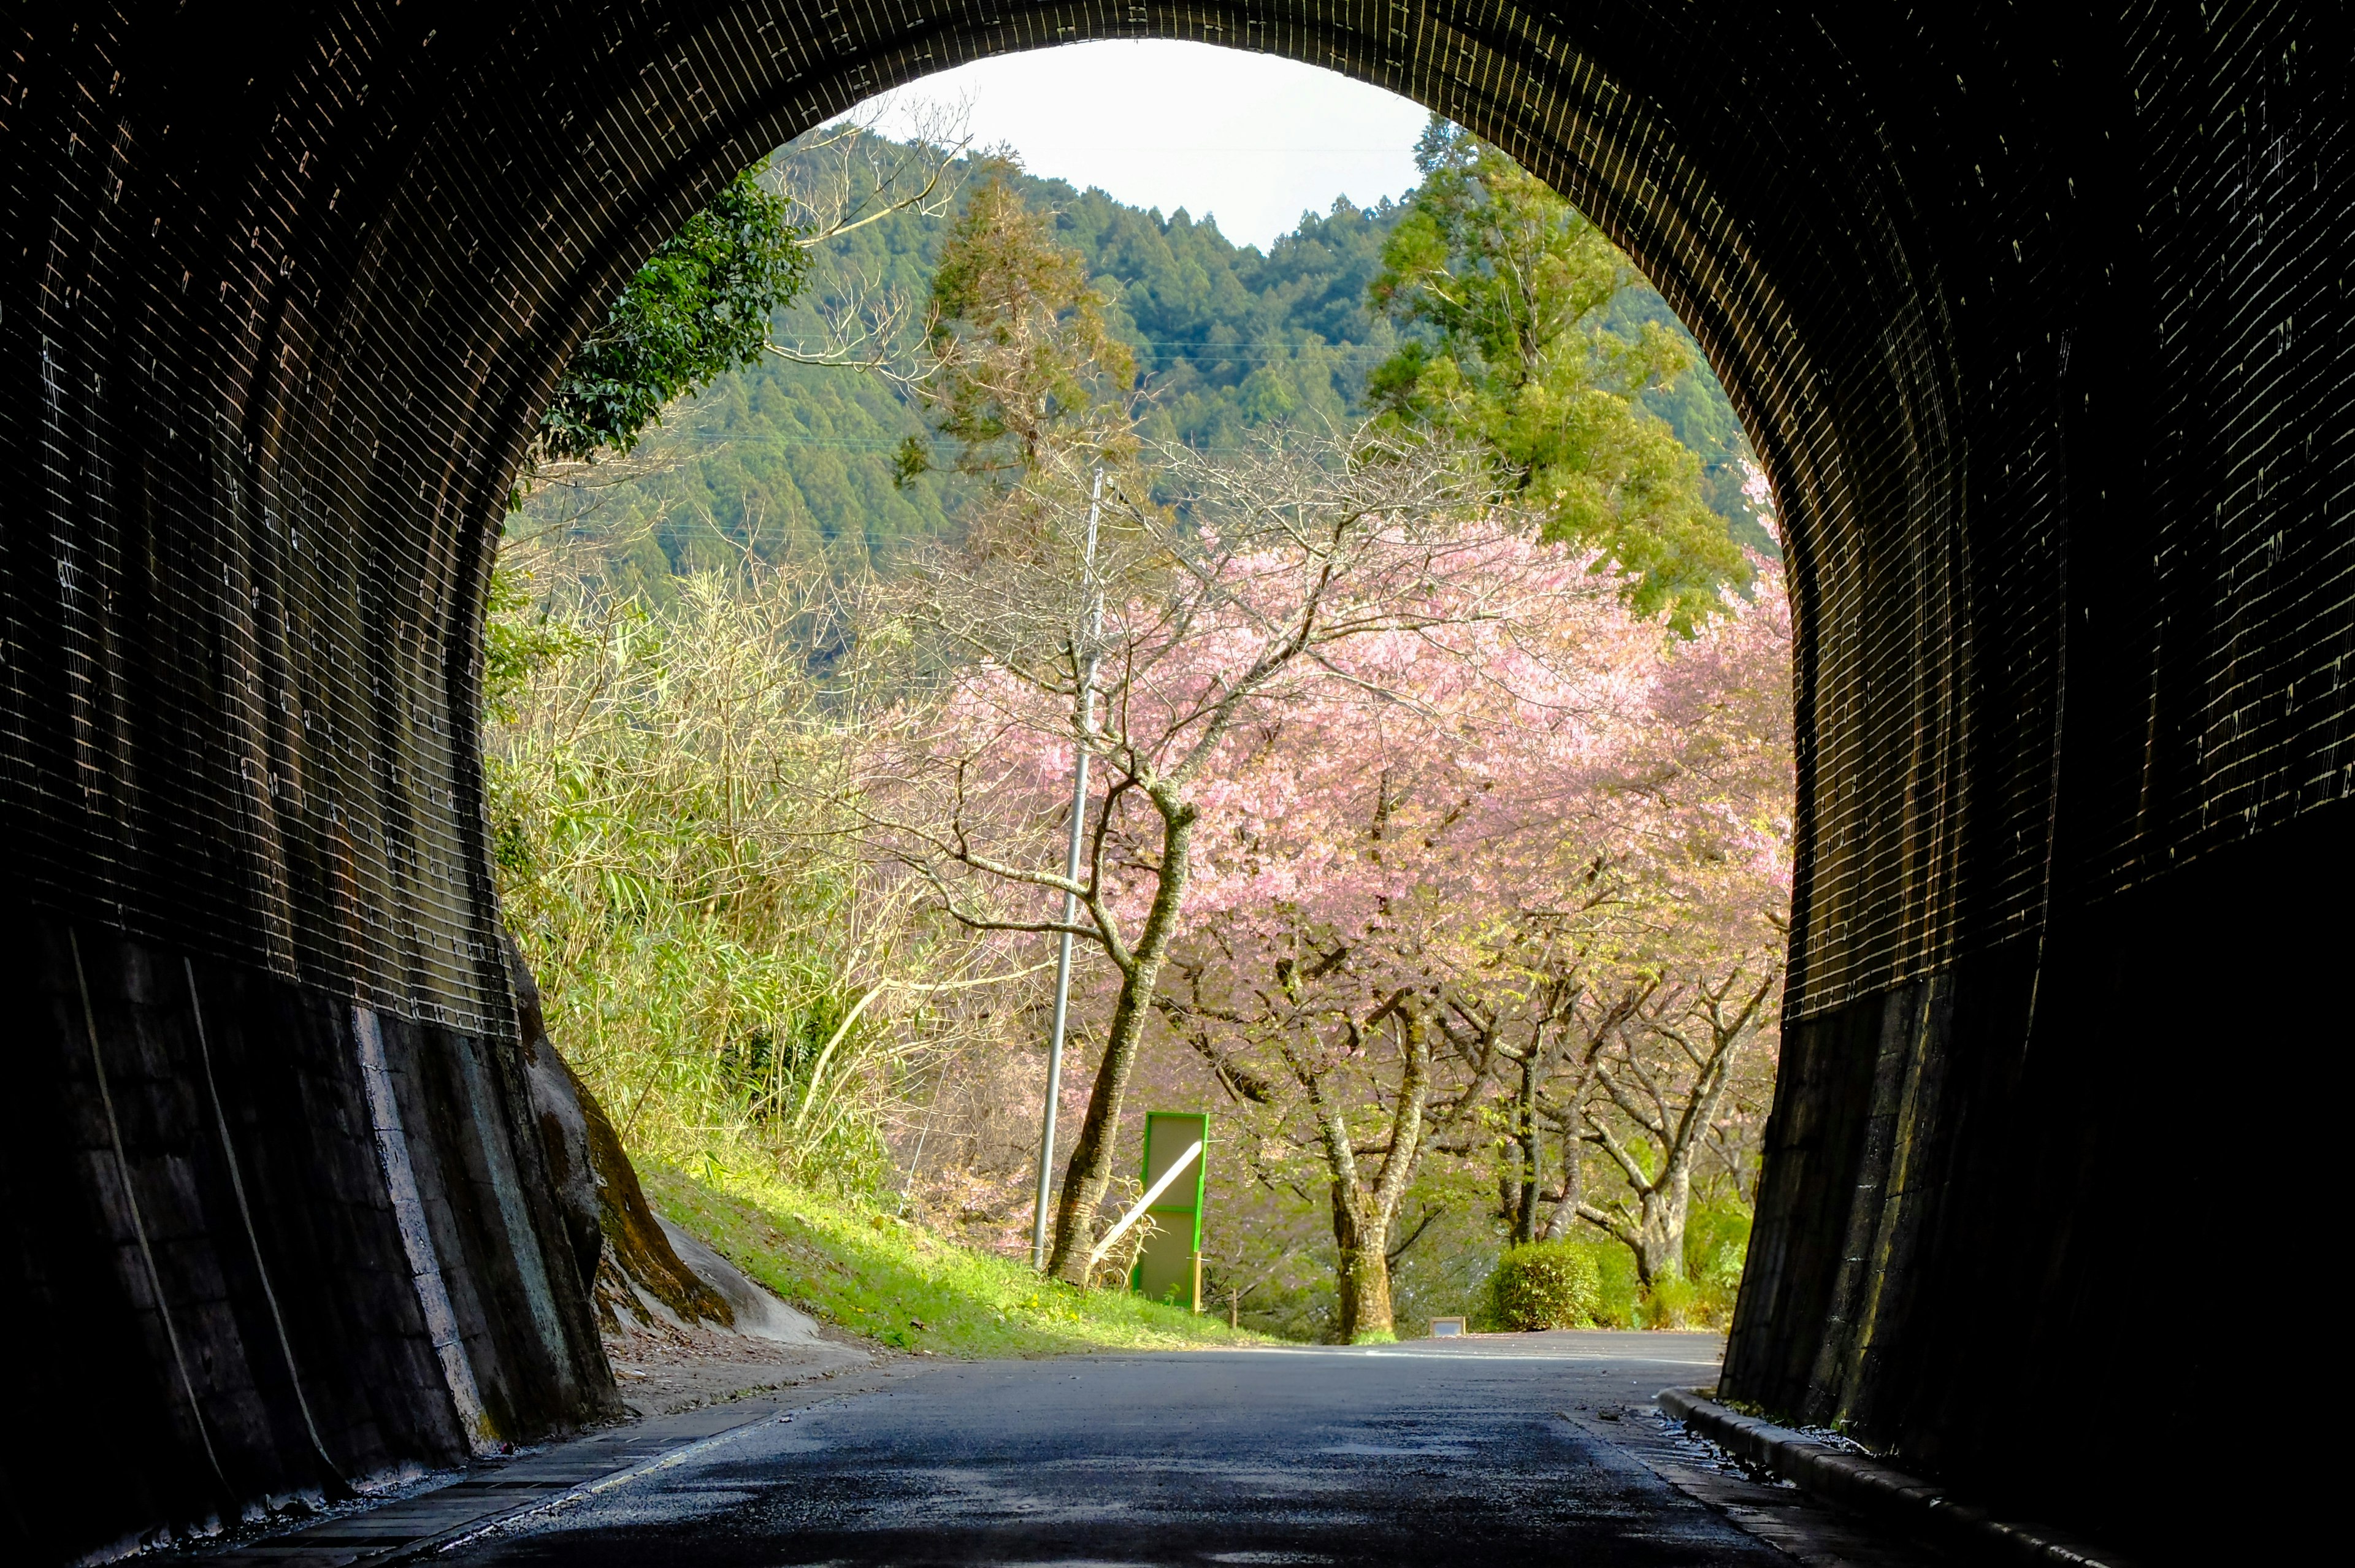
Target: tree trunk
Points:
(1089, 1172)
(1666, 1209)
(1573, 1187)
(1363, 1239)
(1525, 1138)
(1362, 1215)
(1345, 1245)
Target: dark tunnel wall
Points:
(221, 1291)
(2038, 316)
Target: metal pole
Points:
(1070, 902)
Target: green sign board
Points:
(1170, 1265)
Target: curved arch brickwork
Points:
(2038, 320)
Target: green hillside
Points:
(788, 459)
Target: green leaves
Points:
(1512, 284)
(519, 641)
(910, 462)
(699, 308)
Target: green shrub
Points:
(1670, 1303)
(1715, 1246)
(1619, 1304)
(1545, 1284)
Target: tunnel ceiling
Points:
(2037, 315)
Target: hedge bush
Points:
(1545, 1284)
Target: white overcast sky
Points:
(1250, 139)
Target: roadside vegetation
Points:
(1437, 834)
(896, 1281)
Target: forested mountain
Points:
(788, 459)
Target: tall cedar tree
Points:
(1029, 375)
(1511, 281)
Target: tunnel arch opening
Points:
(679, 545)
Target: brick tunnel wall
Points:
(2040, 322)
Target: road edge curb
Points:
(426, 1546)
(1870, 1487)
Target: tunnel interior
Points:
(2038, 323)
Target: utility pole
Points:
(1087, 706)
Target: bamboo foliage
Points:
(717, 962)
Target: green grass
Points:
(880, 1276)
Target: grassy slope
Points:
(881, 1278)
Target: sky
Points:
(1250, 139)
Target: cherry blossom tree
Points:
(1540, 900)
(1444, 842)
(1665, 1075)
(1375, 844)
(1705, 797)
(1168, 651)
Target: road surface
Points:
(1508, 1450)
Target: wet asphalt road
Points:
(1477, 1451)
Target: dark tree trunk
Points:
(1525, 1138)
(1573, 1188)
(1089, 1172)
